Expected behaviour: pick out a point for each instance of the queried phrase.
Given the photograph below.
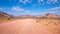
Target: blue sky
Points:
(33, 7)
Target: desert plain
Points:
(30, 25)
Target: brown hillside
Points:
(50, 15)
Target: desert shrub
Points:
(9, 18)
(43, 17)
(55, 23)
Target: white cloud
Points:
(17, 9)
(24, 1)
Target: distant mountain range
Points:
(48, 15)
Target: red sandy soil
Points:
(24, 26)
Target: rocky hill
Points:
(5, 17)
(50, 15)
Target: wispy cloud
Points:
(17, 9)
(40, 1)
(1, 8)
(24, 1)
(53, 1)
(52, 10)
(55, 9)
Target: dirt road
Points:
(23, 26)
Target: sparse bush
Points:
(9, 18)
